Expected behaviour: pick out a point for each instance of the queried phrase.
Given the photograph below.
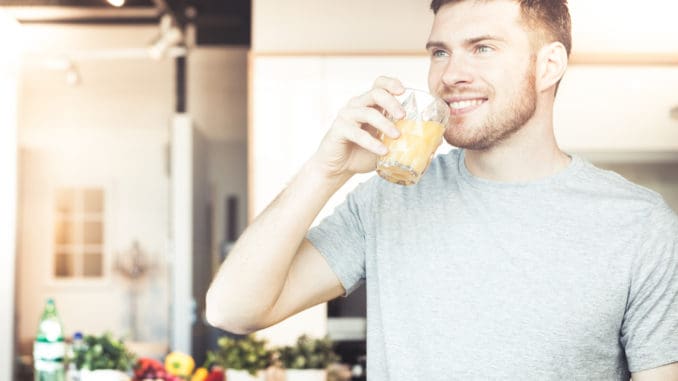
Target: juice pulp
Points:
(410, 154)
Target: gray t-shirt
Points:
(570, 277)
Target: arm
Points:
(662, 373)
(272, 261)
(651, 318)
(272, 271)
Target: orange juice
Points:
(410, 154)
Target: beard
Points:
(498, 125)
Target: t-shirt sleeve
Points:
(650, 327)
(340, 238)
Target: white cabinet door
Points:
(288, 117)
(617, 108)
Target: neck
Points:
(530, 154)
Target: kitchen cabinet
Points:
(617, 108)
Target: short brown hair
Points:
(550, 17)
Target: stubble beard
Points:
(501, 124)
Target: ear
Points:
(551, 65)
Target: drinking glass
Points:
(421, 132)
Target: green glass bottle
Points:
(49, 348)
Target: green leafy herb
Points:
(308, 353)
(247, 353)
(103, 352)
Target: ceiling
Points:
(217, 22)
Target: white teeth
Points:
(463, 104)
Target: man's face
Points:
(482, 65)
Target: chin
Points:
(475, 143)
(459, 136)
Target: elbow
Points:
(219, 315)
(215, 311)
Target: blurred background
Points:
(139, 137)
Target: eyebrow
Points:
(468, 41)
(436, 44)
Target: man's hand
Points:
(352, 143)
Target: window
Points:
(79, 233)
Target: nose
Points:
(457, 72)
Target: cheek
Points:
(434, 76)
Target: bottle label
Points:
(51, 329)
(49, 351)
(48, 366)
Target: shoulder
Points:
(611, 190)
(633, 213)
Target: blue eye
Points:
(438, 53)
(483, 49)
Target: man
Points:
(509, 259)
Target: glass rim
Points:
(422, 92)
(430, 99)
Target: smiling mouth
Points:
(466, 105)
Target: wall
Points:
(335, 26)
(130, 166)
(9, 74)
(109, 130)
(217, 92)
(217, 102)
(227, 176)
(396, 26)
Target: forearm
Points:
(667, 372)
(252, 277)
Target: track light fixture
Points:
(170, 40)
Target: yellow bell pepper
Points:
(179, 364)
(200, 374)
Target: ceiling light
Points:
(116, 3)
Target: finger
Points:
(372, 117)
(382, 99)
(392, 85)
(366, 141)
(371, 130)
